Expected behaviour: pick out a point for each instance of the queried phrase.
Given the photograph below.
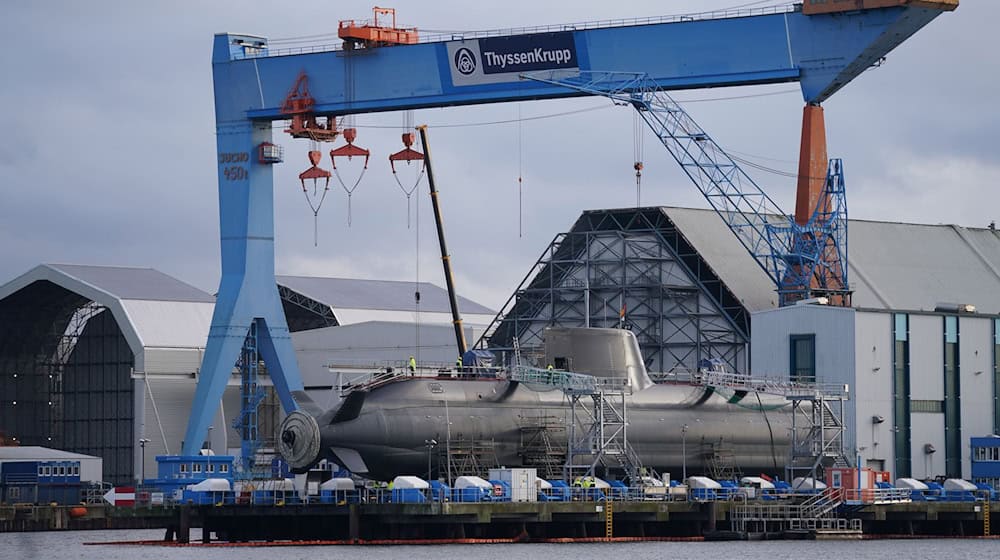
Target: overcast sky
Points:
(107, 147)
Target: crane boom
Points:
(802, 260)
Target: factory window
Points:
(926, 406)
(13, 493)
(183, 467)
(987, 454)
(39, 470)
(901, 394)
(48, 471)
(76, 470)
(223, 468)
(803, 357)
(196, 467)
(996, 376)
(952, 398)
(210, 468)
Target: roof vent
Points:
(814, 301)
(955, 308)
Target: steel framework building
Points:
(632, 268)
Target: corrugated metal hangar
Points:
(95, 358)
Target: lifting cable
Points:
(408, 154)
(637, 138)
(349, 133)
(315, 200)
(416, 281)
(520, 175)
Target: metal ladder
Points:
(986, 518)
(609, 524)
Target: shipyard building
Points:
(95, 359)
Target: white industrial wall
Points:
(374, 343)
(834, 331)
(165, 423)
(926, 362)
(976, 384)
(872, 388)
(856, 347)
(927, 427)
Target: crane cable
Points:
(520, 176)
(637, 149)
(408, 191)
(311, 200)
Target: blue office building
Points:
(40, 482)
(986, 460)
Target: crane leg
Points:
(813, 162)
(247, 291)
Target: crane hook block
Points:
(407, 154)
(349, 150)
(315, 172)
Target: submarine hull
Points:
(389, 432)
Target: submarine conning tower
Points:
(599, 352)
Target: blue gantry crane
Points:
(821, 45)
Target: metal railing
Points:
(506, 32)
(567, 381)
(769, 385)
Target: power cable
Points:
(770, 432)
(573, 112)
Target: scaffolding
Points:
(817, 418)
(468, 457)
(539, 445)
(720, 459)
(628, 268)
(598, 434)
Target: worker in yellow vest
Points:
(412, 365)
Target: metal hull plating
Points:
(391, 432)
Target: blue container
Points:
(704, 494)
(263, 497)
(408, 496)
(471, 494)
(618, 489)
(501, 491)
(440, 492)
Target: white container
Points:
(338, 484)
(910, 484)
(211, 485)
(464, 482)
(703, 482)
(959, 485)
(756, 482)
(406, 482)
(523, 483)
(807, 483)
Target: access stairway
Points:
(598, 430)
(815, 514)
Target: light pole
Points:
(430, 445)
(684, 455)
(142, 462)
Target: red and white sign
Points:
(121, 496)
